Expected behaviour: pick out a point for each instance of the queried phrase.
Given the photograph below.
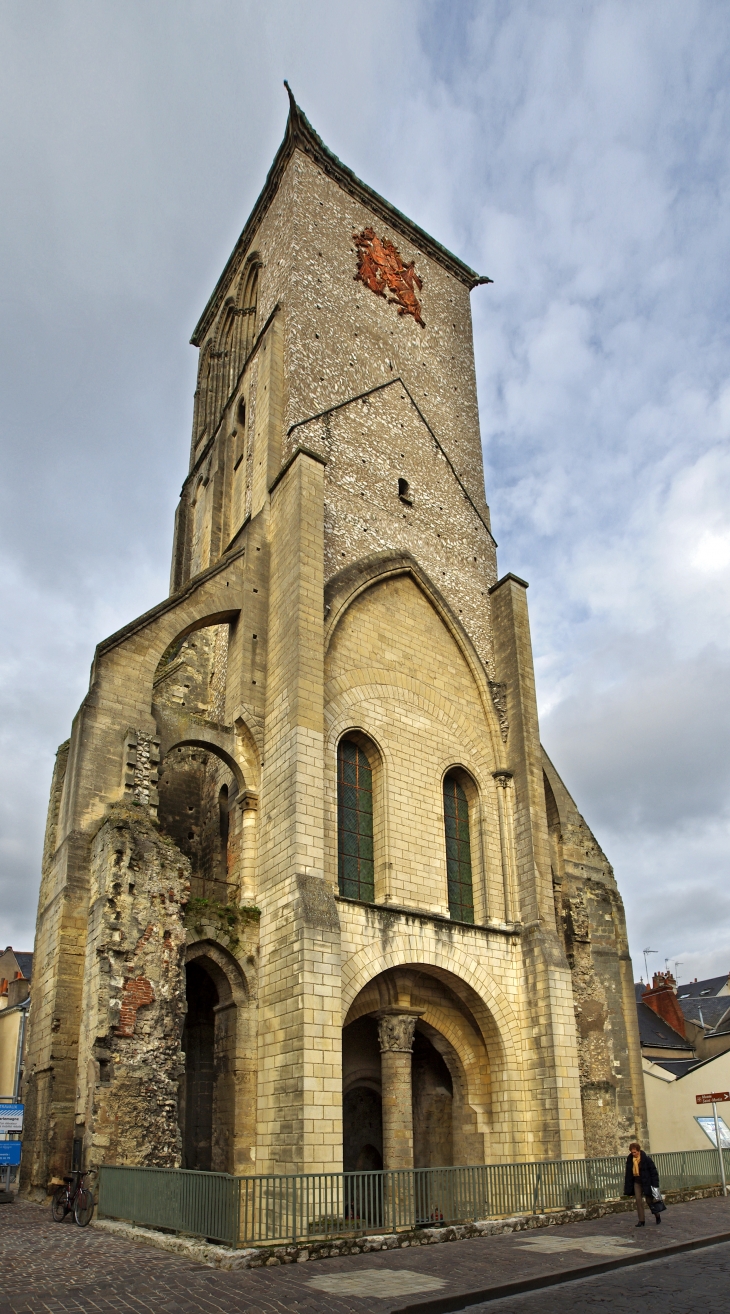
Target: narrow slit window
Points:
(458, 851)
(356, 869)
(223, 815)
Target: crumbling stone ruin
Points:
(313, 895)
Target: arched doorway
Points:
(433, 1100)
(199, 1047)
(362, 1116)
(416, 1036)
(216, 1104)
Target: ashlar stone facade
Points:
(313, 895)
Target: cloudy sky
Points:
(575, 152)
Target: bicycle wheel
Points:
(83, 1206)
(59, 1204)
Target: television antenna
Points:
(646, 965)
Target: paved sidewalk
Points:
(691, 1282)
(47, 1266)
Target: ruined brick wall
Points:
(198, 794)
(590, 916)
(141, 762)
(130, 1060)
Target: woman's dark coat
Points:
(648, 1175)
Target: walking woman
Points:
(642, 1181)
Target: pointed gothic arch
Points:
(344, 588)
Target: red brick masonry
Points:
(135, 993)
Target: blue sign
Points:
(11, 1117)
(10, 1153)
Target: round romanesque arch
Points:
(216, 1123)
(364, 965)
(460, 1067)
(490, 1059)
(209, 742)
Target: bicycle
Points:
(73, 1197)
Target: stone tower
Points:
(312, 892)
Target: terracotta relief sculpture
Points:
(379, 267)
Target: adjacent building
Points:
(15, 977)
(685, 1049)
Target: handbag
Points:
(656, 1204)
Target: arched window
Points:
(223, 817)
(249, 295)
(203, 391)
(458, 851)
(355, 865)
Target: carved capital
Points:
(395, 1031)
(503, 778)
(248, 801)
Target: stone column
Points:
(503, 780)
(248, 804)
(395, 1032)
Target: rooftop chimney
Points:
(662, 998)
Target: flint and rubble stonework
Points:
(334, 573)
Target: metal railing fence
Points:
(244, 1211)
(173, 1199)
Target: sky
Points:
(577, 154)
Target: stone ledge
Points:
(215, 1256)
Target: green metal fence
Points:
(243, 1211)
(173, 1199)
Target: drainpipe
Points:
(19, 1054)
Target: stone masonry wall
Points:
(420, 706)
(130, 1058)
(338, 341)
(592, 925)
(372, 447)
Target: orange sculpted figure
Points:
(380, 268)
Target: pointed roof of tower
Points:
(300, 135)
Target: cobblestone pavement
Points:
(698, 1281)
(46, 1266)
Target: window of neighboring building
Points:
(355, 866)
(458, 851)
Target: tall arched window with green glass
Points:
(458, 850)
(355, 865)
